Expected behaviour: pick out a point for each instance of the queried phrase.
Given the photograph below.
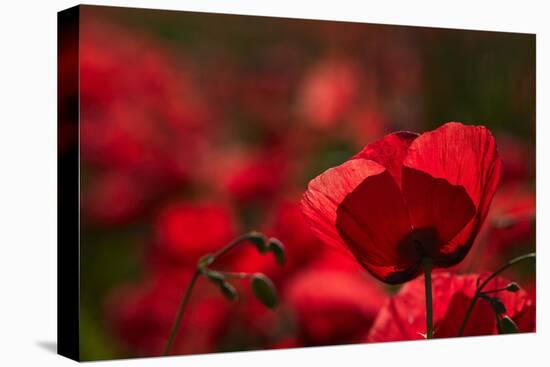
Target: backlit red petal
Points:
(463, 156)
(374, 223)
(389, 152)
(438, 210)
(404, 316)
(328, 190)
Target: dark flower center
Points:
(419, 243)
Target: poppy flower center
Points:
(419, 243)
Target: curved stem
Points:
(427, 265)
(179, 316)
(496, 290)
(234, 243)
(201, 267)
(236, 275)
(485, 282)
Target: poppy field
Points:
(260, 183)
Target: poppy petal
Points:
(389, 152)
(328, 190)
(374, 223)
(464, 156)
(404, 316)
(438, 210)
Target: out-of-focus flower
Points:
(138, 108)
(285, 343)
(401, 67)
(113, 199)
(400, 72)
(328, 91)
(404, 316)
(141, 315)
(517, 160)
(333, 307)
(290, 227)
(264, 96)
(254, 179)
(531, 288)
(390, 204)
(508, 230)
(336, 259)
(368, 123)
(126, 141)
(510, 220)
(185, 231)
(302, 247)
(258, 324)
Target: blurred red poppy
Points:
(113, 198)
(253, 180)
(301, 246)
(328, 91)
(518, 159)
(289, 226)
(408, 197)
(138, 106)
(511, 218)
(285, 343)
(404, 316)
(186, 231)
(333, 307)
(141, 315)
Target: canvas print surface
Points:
(232, 183)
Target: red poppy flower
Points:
(113, 198)
(404, 316)
(518, 159)
(333, 307)
(186, 231)
(407, 197)
(138, 112)
(286, 343)
(289, 226)
(327, 92)
(508, 230)
(512, 216)
(141, 315)
(253, 180)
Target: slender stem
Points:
(485, 282)
(427, 265)
(236, 275)
(235, 242)
(467, 315)
(496, 290)
(201, 267)
(179, 316)
(506, 266)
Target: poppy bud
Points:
(278, 250)
(507, 326)
(259, 240)
(264, 290)
(228, 291)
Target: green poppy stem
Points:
(202, 267)
(479, 289)
(427, 265)
(183, 306)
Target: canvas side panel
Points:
(68, 183)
